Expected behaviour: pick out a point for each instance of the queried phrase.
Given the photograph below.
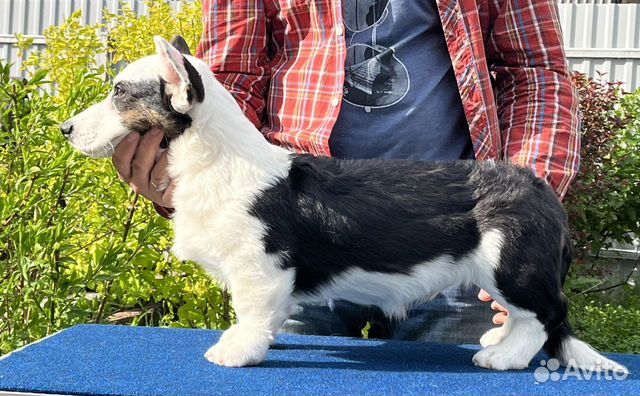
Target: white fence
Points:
(599, 36)
(603, 38)
(598, 1)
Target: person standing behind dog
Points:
(427, 80)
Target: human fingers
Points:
(497, 307)
(499, 318)
(167, 196)
(484, 296)
(123, 155)
(143, 162)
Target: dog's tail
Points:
(565, 347)
(570, 351)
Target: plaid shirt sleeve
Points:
(536, 101)
(234, 43)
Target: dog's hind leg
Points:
(521, 337)
(261, 297)
(527, 283)
(526, 335)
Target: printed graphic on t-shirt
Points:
(374, 76)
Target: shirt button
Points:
(339, 31)
(335, 102)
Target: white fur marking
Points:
(394, 293)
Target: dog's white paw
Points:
(239, 347)
(493, 336)
(495, 358)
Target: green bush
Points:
(131, 36)
(607, 326)
(603, 206)
(605, 305)
(604, 202)
(76, 245)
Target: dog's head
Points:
(155, 91)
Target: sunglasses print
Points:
(374, 76)
(360, 15)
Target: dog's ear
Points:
(178, 42)
(183, 82)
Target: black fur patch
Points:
(197, 87)
(178, 42)
(184, 120)
(330, 215)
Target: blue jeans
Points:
(455, 316)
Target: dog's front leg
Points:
(262, 297)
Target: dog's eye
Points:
(118, 91)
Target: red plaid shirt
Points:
(283, 61)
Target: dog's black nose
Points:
(66, 128)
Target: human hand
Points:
(138, 164)
(501, 316)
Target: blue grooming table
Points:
(122, 360)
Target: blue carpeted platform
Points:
(120, 360)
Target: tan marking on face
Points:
(141, 120)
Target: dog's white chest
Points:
(213, 223)
(224, 238)
(215, 238)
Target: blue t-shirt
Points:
(401, 98)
